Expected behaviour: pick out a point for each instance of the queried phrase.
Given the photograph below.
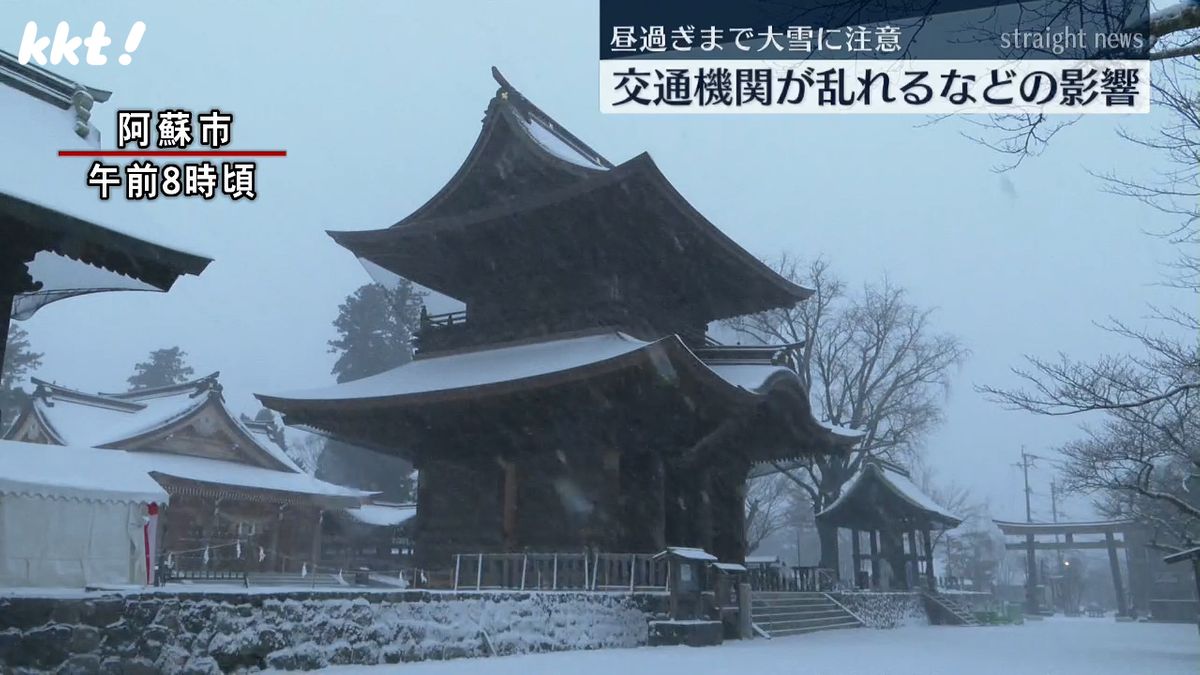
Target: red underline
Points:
(172, 153)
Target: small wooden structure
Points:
(899, 519)
(688, 580)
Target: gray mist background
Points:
(378, 103)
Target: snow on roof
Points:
(221, 472)
(95, 420)
(61, 472)
(482, 367)
(33, 133)
(61, 277)
(557, 145)
(383, 515)
(900, 484)
(730, 567)
(688, 553)
(751, 377)
(91, 421)
(763, 560)
(914, 494)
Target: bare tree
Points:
(872, 362)
(768, 508)
(1143, 460)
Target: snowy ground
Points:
(1050, 647)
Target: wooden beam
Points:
(1063, 546)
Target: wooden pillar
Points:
(874, 536)
(6, 302)
(855, 555)
(277, 560)
(1115, 567)
(1031, 599)
(914, 579)
(509, 505)
(614, 532)
(315, 551)
(703, 501)
(930, 578)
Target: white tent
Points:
(73, 517)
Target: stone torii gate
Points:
(1030, 532)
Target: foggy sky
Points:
(378, 103)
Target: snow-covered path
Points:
(1050, 647)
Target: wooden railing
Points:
(793, 579)
(559, 572)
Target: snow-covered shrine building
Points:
(237, 501)
(881, 501)
(577, 401)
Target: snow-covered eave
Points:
(96, 244)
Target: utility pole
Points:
(1031, 599)
(1025, 462)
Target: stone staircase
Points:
(789, 613)
(949, 611)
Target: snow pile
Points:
(885, 610)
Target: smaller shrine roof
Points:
(687, 553)
(880, 496)
(1192, 553)
(89, 474)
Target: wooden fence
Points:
(560, 572)
(793, 579)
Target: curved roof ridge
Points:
(523, 105)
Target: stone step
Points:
(764, 617)
(802, 631)
(788, 602)
(807, 622)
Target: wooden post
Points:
(457, 567)
(745, 619)
(632, 570)
(1115, 567)
(554, 583)
(524, 562)
(316, 541)
(585, 570)
(1031, 599)
(874, 537)
(914, 579)
(6, 303)
(855, 556)
(479, 572)
(930, 578)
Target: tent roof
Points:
(89, 474)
